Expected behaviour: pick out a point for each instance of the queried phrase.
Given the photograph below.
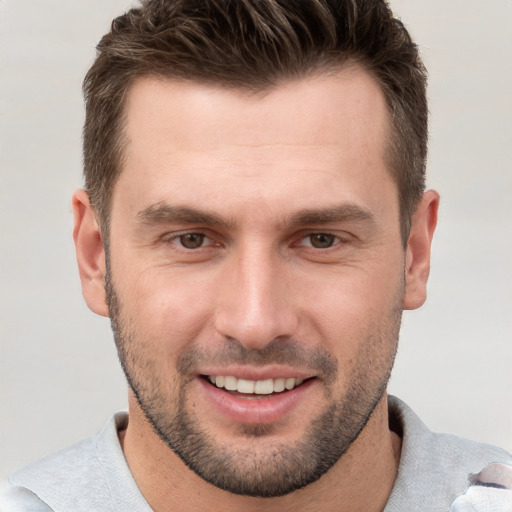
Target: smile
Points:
(256, 387)
(259, 401)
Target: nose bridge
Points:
(255, 305)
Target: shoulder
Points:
(20, 499)
(490, 491)
(91, 475)
(49, 481)
(434, 468)
(434, 450)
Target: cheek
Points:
(352, 306)
(167, 312)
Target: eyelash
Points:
(176, 238)
(335, 240)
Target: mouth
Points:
(259, 401)
(254, 387)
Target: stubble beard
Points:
(268, 470)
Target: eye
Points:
(191, 240)
(320, 240)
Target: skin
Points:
(258, 162)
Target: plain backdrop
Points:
(59, 375)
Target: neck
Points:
(361, 480)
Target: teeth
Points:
(289, 384)
(258, 387)
(279, 385)
(264, 387)
(245, 386)
(230, 383)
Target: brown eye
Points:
(192, 240)
(322, 240)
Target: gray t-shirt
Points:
(93, 476)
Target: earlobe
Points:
(90, 253)
(417, 261)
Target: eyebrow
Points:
(341, 213)
(163, 213)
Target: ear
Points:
(417, 259)
(90, 254)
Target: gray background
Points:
(59, 377)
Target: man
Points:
(254, 222)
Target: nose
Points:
(255, 302)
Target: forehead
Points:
(311, 107)
(183, 136)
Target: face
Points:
(256, 273)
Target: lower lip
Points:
(256, 411)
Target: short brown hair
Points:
(255, 44)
